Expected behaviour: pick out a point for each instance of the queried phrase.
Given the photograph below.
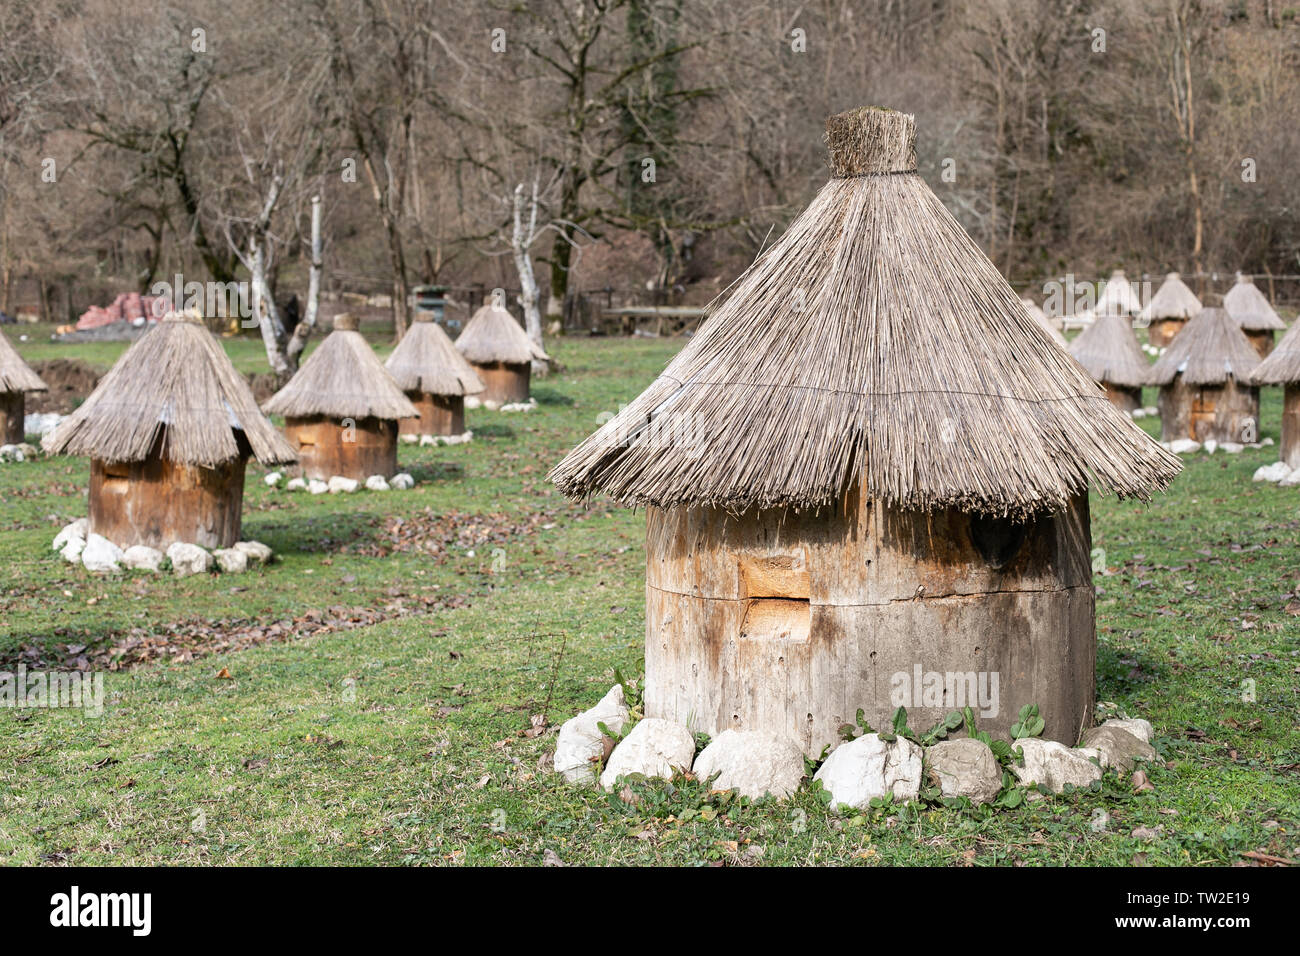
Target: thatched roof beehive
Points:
(15, 374)
(1173, 300)
(426, 360)
(873, 344)
(1282, 367)
(1210, 349)
(343, 378)
(1035, 310)
(178, 382)
(1250, 308)
(1109, 350)
(1117, 297)
(492, 335)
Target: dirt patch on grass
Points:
(70, 380)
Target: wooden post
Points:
(12, 408)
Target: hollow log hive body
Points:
(504, 382)
(1227, 412)
(12, 408)
(439, 415)
(349, 448)
(790, 622)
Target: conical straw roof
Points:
(1173, 300)
(493, 335)
(873, 345)
(1282, 367)
(1109, 350)
(1208, 350)
(1041, 318)
(1251, 308)
(343, 378)
(1117, 297)
(15, 374)
(427, 361)
(179, 377)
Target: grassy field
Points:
(364, 700)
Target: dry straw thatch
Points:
(874, 344)
(15, 374)
(1282, 367)
(343, 378)
(176, 380)
(1251, 308)
(1041, 318)
(492, 335)
(1173, 300)
(1109, 350)
(1208, 350)
(426, 360)
(1117, 297)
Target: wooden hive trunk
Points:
(349, 448)
(12, 409)
(1125, 399)
(157, 502)
(1262, 340)
(1291, 425)
(439, 415)
(790, 623)
(1228, 412)
(1162, 331)
(504, 383)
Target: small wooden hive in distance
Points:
(434, 376)
(501, 352)
(16, 380)
(1205, 382)
(1109, 350)
(1253, 313)
(866, 478)
(1169, 309)
(1282, 367)
(168, 431)
(341, 409)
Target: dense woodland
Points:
(648, 146)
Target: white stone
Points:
(141, 557)
(1291, 480)
(1266, 441)
(77, 529)
(1184, 446)
(401, 481)
(473, 401)
(317, 487)
(753, 763)
(273, 478)
(428, 440)
(1139, 728)
(655, 748)
(340, 485)
(295, 484)
(72, 548)
(10, 453)
(527, 406)
(1210, 446)
(1117, 747)
(859, 770)
(38, 423)
(491, 404)
(409, 439)
(101, 555)
(1139, 413)
(1275, 472)
(1232, 447)
(1151, 411)
(581, 745)
(965, 767)
(377, 483)
(188, 559)
(231, 560)
(257, 552)
(1054, 765)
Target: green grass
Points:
(401, 741)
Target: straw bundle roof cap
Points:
(1208, 350)
(873, 345)
(1251, 308)
(1173, 300)
(343, 378)
(493, 335)
(1110, 352)
(427, 361)
(15, 374)
(1117, 297)
(1282, 367)
(175, 377)
(1039, 316)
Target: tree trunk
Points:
(520, 239)
(308, 324)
